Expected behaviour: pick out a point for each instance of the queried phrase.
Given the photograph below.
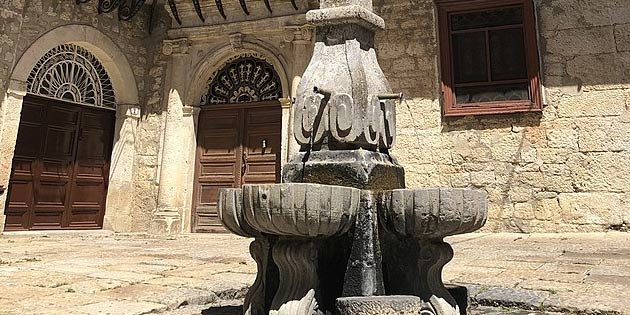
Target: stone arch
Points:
(242, 80)
(209, 64)
(99, 44)
(120, 193)
(218, 58)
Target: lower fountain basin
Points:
(433, 213)
(289, 209)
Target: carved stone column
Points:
(301, 40)
(168, 217)
(120, 193)
(9, 125)
(190, 117)
(342, 122)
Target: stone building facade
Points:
(564, 168)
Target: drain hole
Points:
(264, 196)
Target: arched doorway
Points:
(60, 168)
(238, 134)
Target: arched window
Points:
(244, 80)
(70, 72)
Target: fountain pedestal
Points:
(341, 234)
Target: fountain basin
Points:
(289, 209)
(433, 213)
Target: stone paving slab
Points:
(106, 273)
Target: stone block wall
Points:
(22, 22)
(567, 169)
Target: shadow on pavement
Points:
(223, 310)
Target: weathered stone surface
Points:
(380, 305)
(573, 42)
(433, 213)
(527, 299)
(569, 14)
(593, 103)
(121, 308)
(591, 208)
(601, 171)
(357, 168)
(300, 209)
(600, 135)
(622, 36)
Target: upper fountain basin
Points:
(289, 209)
(433, 213)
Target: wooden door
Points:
(235, 145)
(91, 169)
(48, 169)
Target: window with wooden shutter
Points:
(489, 57)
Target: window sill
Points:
(491, 108)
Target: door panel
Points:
(230, 153)
(262, 143)
(91, 169)
(61, 166)
(218, 163)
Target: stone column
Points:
(286, 135)
(190, 118)
(120, 193)
(168, 217)
(9, 125)
(300, 38)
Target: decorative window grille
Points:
(244, 80)
(71, 73)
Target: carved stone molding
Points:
(338, 99)
(236, 41)
(176, 46)
(297, 265)
(256, 298)
(133, 111)
(302, 33)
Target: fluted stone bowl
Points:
(230, 207)
(289, 209)
(433, 213)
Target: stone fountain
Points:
(341, 234)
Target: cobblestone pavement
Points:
(104, 273)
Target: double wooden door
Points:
(236, 145)
(60, 168)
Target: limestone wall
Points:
(23, 22)
(565, 170)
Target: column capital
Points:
(17, 89)
(188, 111)
(285, 102)
(179, 46)
(133, 111)
(298, 33)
